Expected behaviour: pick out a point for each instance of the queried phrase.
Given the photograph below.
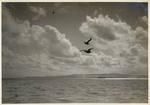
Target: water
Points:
(71, 90)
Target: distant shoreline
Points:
(103, 76)
(116, 78)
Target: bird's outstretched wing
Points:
(89, 40)
(90, 49)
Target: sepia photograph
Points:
(74, 52)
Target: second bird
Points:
(87, 51)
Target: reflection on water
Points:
(61, 90)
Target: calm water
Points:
(57, 90)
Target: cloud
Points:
(141, 31)
(105, 28)
(128, 46)
(37, 38)
(139, 51)
(97, 11)
(33, 50)
(63, 9)
(38, 11)
(142, 37)
(142, 22)
(17, 65)
(31, 47)
(145, 19)
(108, 33)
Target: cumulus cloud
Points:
(126, 44)
(143, 22)
(108, 33)
(24, 43)
(105, 28)
(39, 11)
(33, 50)
(142, 36)
(145, 19)
(47, 38)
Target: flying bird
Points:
(87, 51)
(87, 42)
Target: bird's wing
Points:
(90, 49)
(89, 40)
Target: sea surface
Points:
(74, 90)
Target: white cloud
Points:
(142, 37)
(105, 28)
(36, 38)
(142, 22)
(39, 11)
(128, 46)
(34, 50)
(108, 33)
(30, 47)
(145, 19)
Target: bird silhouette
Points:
(53, 13)
(87, 51)
(87, 42)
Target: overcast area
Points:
(45, 39)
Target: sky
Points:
(37, 43)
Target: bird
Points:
(87, 51)
(87, 42)
(53, 12)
